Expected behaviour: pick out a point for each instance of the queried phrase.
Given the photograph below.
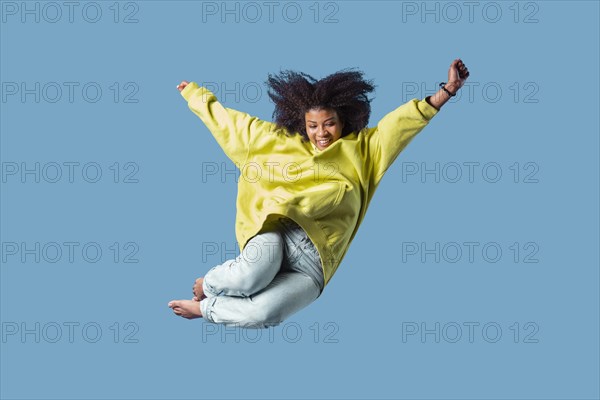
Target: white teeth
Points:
(324, 142)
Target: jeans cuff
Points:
(206, 308)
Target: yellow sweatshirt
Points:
(326, 192)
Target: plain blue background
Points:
(354, 341)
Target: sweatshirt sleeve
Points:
(234, 130)
(395, 131)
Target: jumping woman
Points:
(307, 181)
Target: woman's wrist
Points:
(452, 87)
(442, 96)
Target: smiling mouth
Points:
(324, 142)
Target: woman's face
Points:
(323, 127)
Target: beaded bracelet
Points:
(446, 90)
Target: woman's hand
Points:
(457, 75)
(182, 85)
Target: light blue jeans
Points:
(277, 274)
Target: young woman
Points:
(306, 182)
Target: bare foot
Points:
(198, 290)
(189, 309)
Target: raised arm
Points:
(234, 130)
(395, 131)
(399, 127)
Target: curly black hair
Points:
(295, 93)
